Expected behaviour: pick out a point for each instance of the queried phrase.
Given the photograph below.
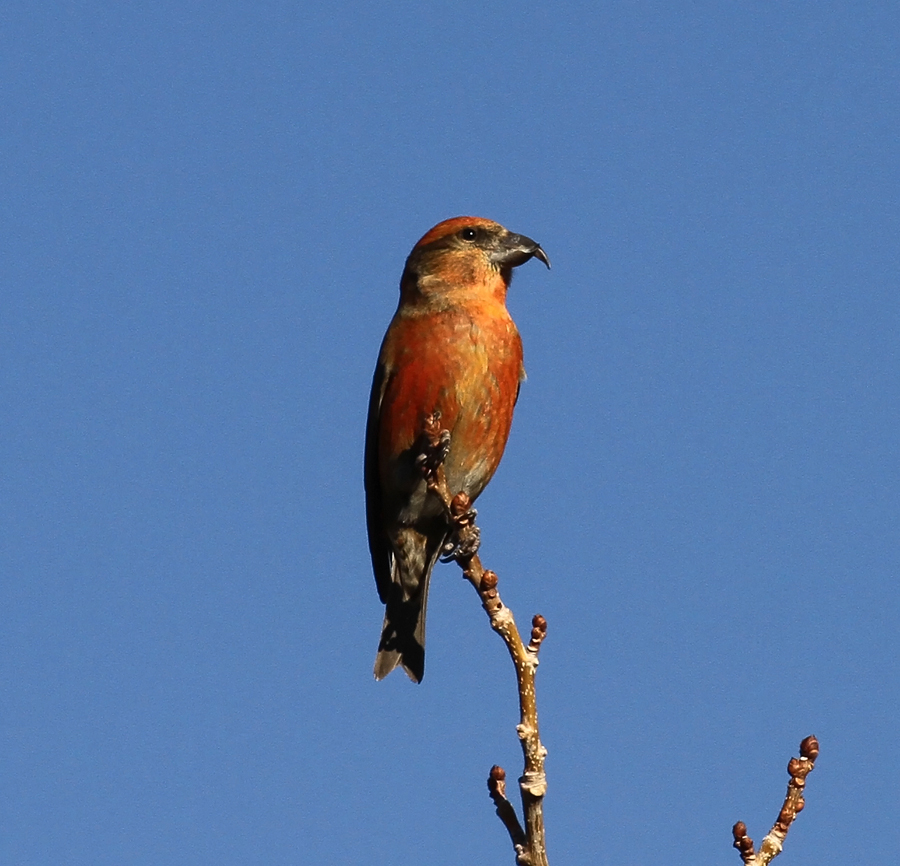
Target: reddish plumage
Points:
(451, 347)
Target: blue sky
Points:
(205, 213)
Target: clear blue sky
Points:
(205, 212)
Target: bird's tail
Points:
(403, 632)
(403, 639)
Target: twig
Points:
(530, 844)
(798, 769)
(505, 810)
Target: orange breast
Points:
(465, 363)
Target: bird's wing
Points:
(379, 547)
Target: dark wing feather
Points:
(379, 547)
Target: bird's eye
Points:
(468, 234)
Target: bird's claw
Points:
(433, 455)
(442, 449)
(434, 446)
(463, 543)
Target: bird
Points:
(451, 350)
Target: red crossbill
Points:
(452, 348)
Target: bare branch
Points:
(530, 845)
(462, 547)
(505, 811)
(798, 769)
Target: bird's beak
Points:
(514, 250)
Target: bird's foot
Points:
(434, 446)
(462, 544)
(465, 536)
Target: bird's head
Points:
(464, 254)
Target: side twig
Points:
(529, 844)
(798, 769)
